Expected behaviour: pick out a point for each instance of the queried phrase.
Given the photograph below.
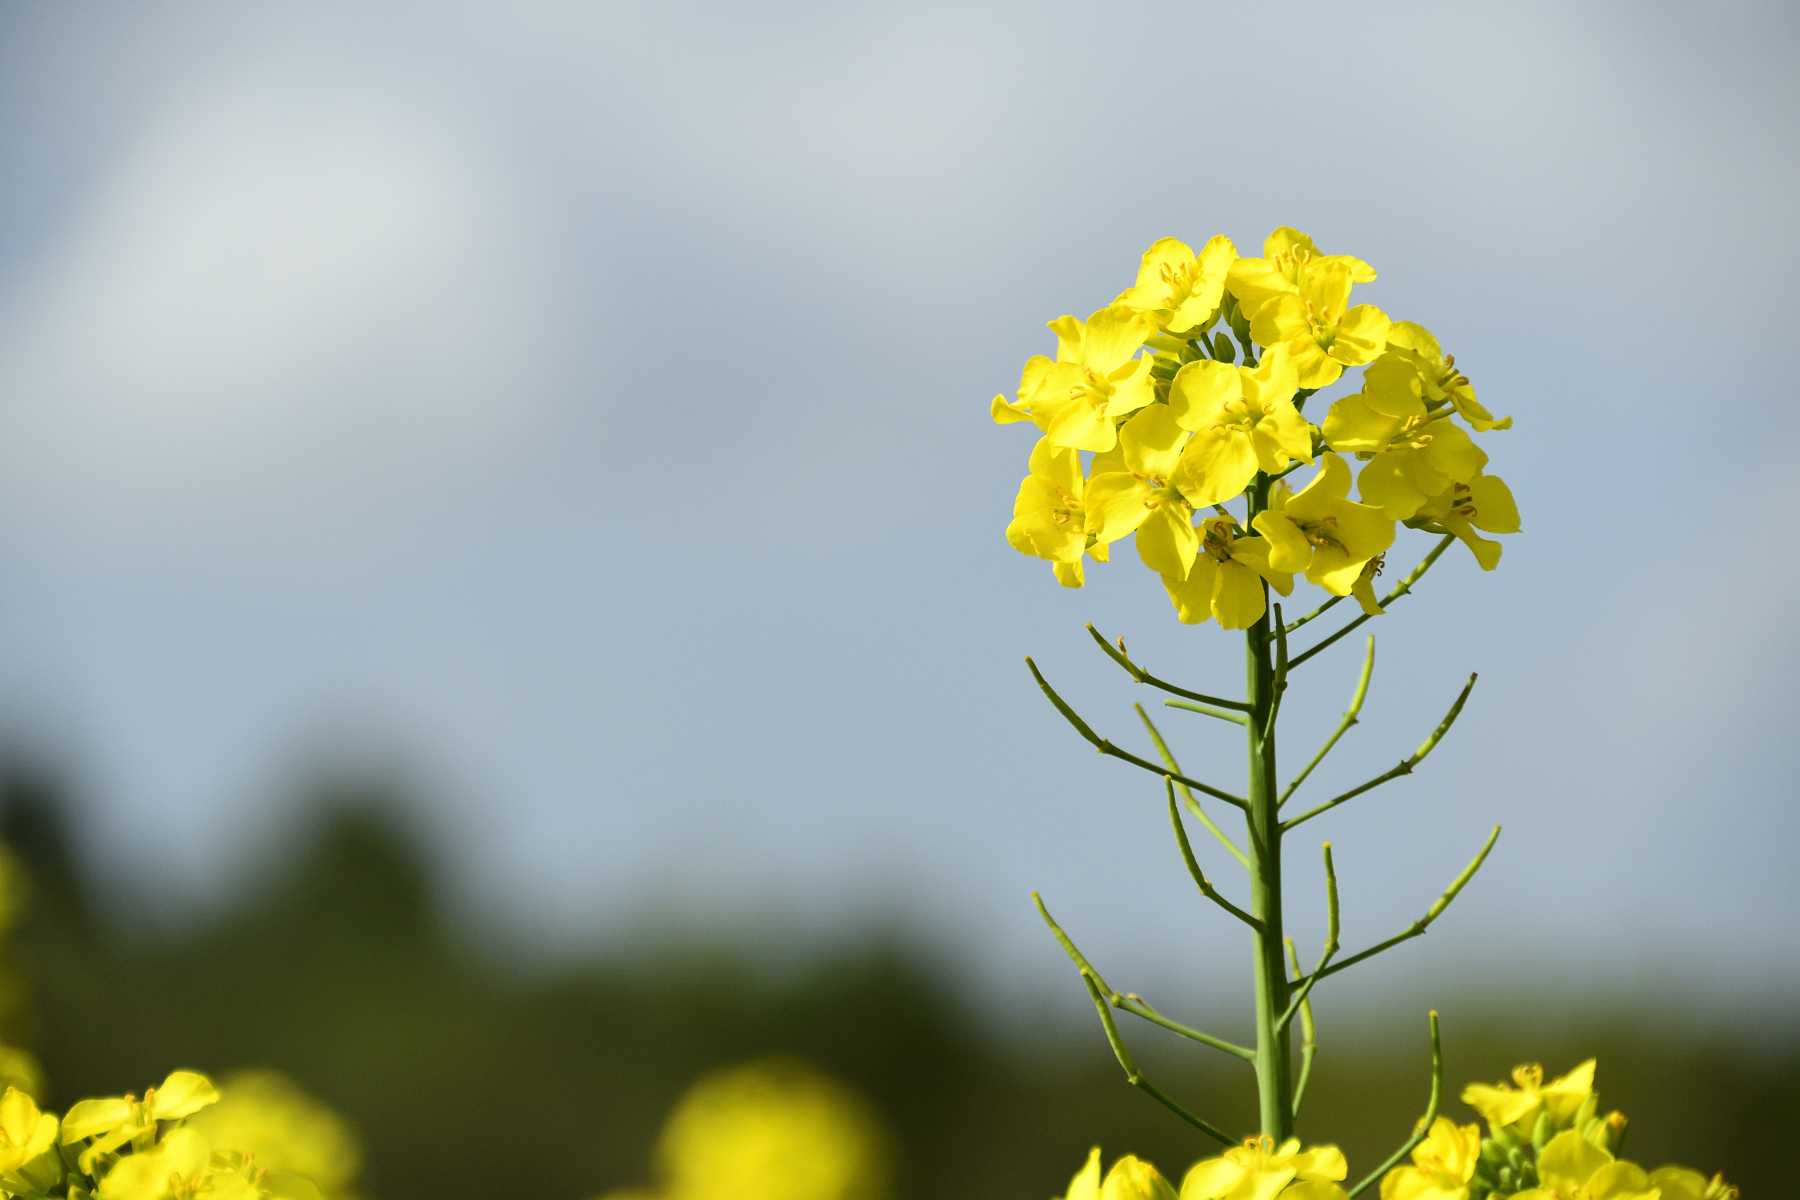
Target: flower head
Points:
(1571, 1167)
(1321, 531)
(1260, 1170)
(1095, 379)
(1244, 420)
(1442, 1165)
(1226, 580)
(1518, 1105)
(1320, 328)
(1179, 289)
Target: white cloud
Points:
(295, 292)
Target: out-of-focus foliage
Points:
(771, 1130)
(341, 966)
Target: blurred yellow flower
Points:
(1260, 1170)
(776, 1130)
(1442, 1165)
(265, 1116)
(1131, 1178)
(1572, 1168)
(1518, 1105)
(115, 1120)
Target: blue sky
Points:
(585, 406)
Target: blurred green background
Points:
(342, 966)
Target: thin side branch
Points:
(1423, 923)
(1105, 747)
(1349, 719)
(1309, 1034)
(1424, 1125)
(1118, 655)
(1403, 767)
(1134, 1004)
(1187, 797)
(1193, 866)
(1135, 1077)
(1304, 990)
(1236, 718)
(1404, 587)
(1315, 614)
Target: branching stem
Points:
(1424, 1125)
(1404, 587)
(1118, 655)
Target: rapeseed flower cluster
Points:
(1187, 394)
(165, 1145)
(1544, 1141)
(774, 1130)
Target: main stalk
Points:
(1274, 1068)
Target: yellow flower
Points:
(28, 1160)
(1318, 326)
(1177, 288)
(1094, 380)
(1439, 380)
(1442, 1165)
(1684, 1183)
(1130, 491)
(773, 1131)
(1321, 531)
(1259, 1170)
(1286, 252)
(1050, 517)
(1572, 1168)
(115, 1120)
(263, 1115)
(1416, 453)
(1226, 579)
(1243, 420)
(1131, 1178)
(1517, 1106)
(1485, 502)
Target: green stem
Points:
(1349, 719)
(1403, 588)
(1274, 1066)
(1424, 1126)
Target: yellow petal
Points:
(1392, 387)
(1132, 1178)
(1202, 391)
(1152, 442)
(182, 1094)
(1326, 488)
(1112, 336)
(1192, 597)
(1116, 505)
(1167, 541)
(1238, 600)
(1086, 1184)
(1385, 484)
(1569, 1161)
(1361, 335)
(1216, 465)
(1496, 512)
(1353, 424)
(1288, 548)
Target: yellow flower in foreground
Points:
(265, 1116)
(1243, 420)
(1130, 491)
(1442, 1165)
(1050, 518)
(1518, 1105)
(1684, 1183)
(1286, 252)
(1416, 454)
(1131, 1178)
(28, 1161)
(1177, 288)
(1226, 581)
(1573, 1168)
(1259, 1170)
(1318, 326)
(1485, 502)
(1438, 379)
(1321, 531)
(773, 1131)
(1094, 380)
(115, 1120)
